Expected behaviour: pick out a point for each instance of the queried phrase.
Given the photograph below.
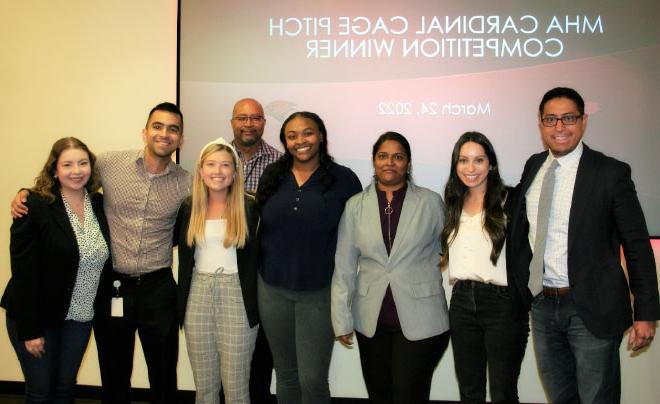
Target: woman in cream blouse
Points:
(487, 331)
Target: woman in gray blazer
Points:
(395, 302)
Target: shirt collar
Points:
(139, 160)
(395, 194)
(258, 153)
(570, 159)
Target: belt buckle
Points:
(133, 280)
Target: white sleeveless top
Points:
(211, 256)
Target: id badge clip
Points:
(117, 302)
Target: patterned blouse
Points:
(93, 252)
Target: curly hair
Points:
(276, 172)
(47, 185)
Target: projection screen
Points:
(430, 70)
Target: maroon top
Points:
(388, 224)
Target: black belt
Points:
(137, 279)
(469, 283)
(555, 292)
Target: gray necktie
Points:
(535, 283)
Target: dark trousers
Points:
(486, 333)
(396, 370)
(149, 308)
(299, 331)
(575, 365)
(52, 378)
(261, 372)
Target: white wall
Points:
(88, 69)
(93, 70)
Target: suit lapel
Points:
(534, 168)
(584, 182)
(371, 212)
(62, 219)
(97, 207)
(408, 211)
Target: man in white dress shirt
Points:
(575, 219)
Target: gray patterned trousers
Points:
(219, 339)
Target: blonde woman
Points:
(218, 258)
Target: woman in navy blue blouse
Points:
(302, 198)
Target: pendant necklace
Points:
(388, 212)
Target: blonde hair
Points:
(236, 231)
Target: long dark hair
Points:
(455, 190)
(277, 171)
(47, 185)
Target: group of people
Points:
(282, 253)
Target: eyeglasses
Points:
(566, 120)
(245, 118)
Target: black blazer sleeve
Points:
(22, 296)
(102, 300)
(186, 257)
(249, 259)
(638, 252)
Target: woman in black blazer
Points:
(58, 254)
(218, 259)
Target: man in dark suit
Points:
(575, 210)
